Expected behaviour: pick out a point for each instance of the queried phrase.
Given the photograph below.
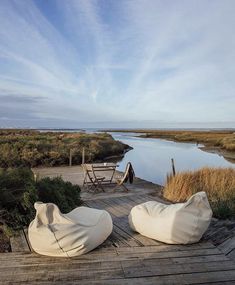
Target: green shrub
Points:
(54, 190)
(19, 192)
(17, 195)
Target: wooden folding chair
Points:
(91, 180)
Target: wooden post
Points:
(83, 155)
(70, 157)
(36, 177)
(173, 166)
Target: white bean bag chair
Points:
(65, 235)
(181, 223)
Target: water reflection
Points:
(151, 158)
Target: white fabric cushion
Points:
(181, 223)
(55, 234)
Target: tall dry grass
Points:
(218, 183)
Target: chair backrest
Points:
(84, 168)
(128, 174)
(88, 172)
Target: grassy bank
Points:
(218, 141)
(222, 139)
(33, 148)
(218, 183)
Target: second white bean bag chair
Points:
(181, 223)
(65, 235)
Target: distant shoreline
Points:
(215, 140)
(219, 141)
(99, 129)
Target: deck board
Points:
(126, 257)
(19, 243)
(150, 264)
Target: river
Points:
(151, 158)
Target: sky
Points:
(125, 63)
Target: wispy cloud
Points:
(16, 107)
(93, 60)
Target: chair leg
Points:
(91, 187)
(125, 188)
(99, 185)
(121, 185)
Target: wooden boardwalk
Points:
(126, 257)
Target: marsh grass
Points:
(224, 139)
(31, 148)
(218, 183)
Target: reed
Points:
(218, 183)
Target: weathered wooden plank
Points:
(169, 247)
(99, 253)
(47, 274)
(139, 199)
(126, 201)
(221, 277)
(65, 267)
(217, 283)
(228, 245)
(170, 254)
(218, 277)
(113, 255)
(27, 239)
(138, 281)
(125, 237)
(106, 270)
(126, 204)
(157, 269)
(93, 204)
(19, 243)
(231, 254)
(118, 204)
(200, 259)
(157, 262)
(48, 271)
(116, 211)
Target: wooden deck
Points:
(125, 257)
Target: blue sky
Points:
(107, 63)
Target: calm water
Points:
(151, 158)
